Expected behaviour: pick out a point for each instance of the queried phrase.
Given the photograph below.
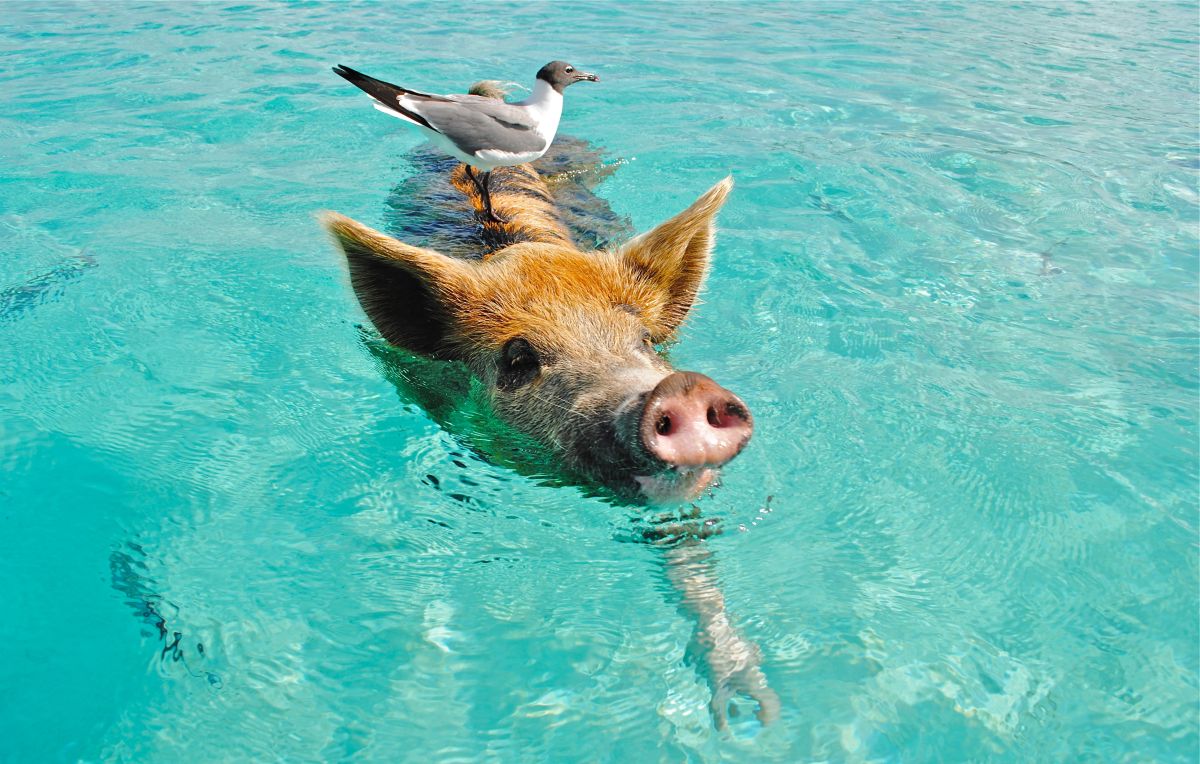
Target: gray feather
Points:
(474, 123)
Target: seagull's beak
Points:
(581, 76)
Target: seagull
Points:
(483, 133)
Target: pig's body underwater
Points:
(565, 342)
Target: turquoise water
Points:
(956, 282)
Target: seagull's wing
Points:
(474, 123)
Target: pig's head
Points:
(565, 343)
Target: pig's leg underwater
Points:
(731, 663)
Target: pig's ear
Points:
(407, 292)
(673, 259)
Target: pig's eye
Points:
(647, 341)
(519, 363)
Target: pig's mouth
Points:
(623, 463)
(676, 483)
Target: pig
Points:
(567, 343)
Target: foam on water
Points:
(956, 282)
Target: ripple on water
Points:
(956, 282)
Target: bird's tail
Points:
(387, 96)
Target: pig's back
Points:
(427, 210)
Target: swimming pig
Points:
(566, 342)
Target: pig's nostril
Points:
(728, 414)
(663, 425)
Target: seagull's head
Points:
(559, 74)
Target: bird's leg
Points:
(487, 200)
(482, 188)
(474, 180)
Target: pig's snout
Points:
(690, 421)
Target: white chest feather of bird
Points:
(545, 106)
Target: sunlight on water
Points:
(956, 282)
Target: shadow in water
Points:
(16, 301)
(131, 578)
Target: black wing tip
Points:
(384, 93)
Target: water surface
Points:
(956, 282)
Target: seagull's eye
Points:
(569, 69)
